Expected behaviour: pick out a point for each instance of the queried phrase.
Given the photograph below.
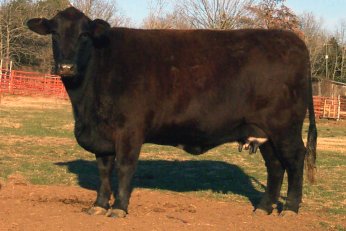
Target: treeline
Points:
(26, 50)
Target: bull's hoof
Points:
(260, 212)
(288, 213)
(116, 213)
(95, 210)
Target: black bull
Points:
(194, 89)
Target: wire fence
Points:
(37, 84)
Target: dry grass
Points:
(33, 102)
(6, 123)
(32, 140)
(332, 144)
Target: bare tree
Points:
(104, 9)
(273, 14)
(164, 14)
(214, 14)
(155, 18)
(315, 38)
(18, 44)
(15, 38)
(340, 62)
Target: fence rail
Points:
(31, 84)
(330, 107)
(38, 84)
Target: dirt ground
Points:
(30, 207)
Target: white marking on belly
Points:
(259, 140)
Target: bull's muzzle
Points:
(67, 70)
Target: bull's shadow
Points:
(179, 176)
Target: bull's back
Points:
(227, 75)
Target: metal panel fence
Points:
(330, 107)
(31, 84)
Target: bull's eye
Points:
(84, 35)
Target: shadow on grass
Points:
(179, 176)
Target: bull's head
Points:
(73, 36)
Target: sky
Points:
(332, 11)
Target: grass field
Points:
(36, 141)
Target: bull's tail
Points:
(310, 158)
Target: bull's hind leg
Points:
(292, 154)
(275, 174)
(127, 153)
(105, 166)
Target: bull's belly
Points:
(197, 142)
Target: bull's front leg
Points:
(127, 153)
(105, 166)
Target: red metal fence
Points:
(38, 84)
(330, 107)
(31, 84)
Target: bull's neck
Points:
(79, 92)
(84, 111)
(81, 89)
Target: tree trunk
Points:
(336, 63)
(7, 53)
(343, 64)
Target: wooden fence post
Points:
(339, 107)
(0, 77)
(324, 108)
(0, 73)
(10, 87)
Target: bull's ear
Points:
(99, 31)
(41, 26)
(99, 27)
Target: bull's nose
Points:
(66, 69)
